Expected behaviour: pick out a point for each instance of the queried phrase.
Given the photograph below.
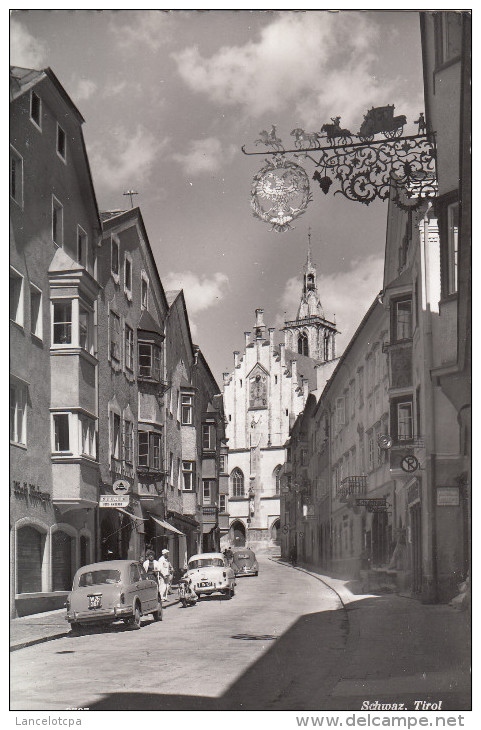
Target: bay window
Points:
(188, 474)
(187, 404)
(18, 405)
(61, 432)
(150, 450)
(149, 360)
(402, 319)
(62, 322)
(223, 503)
(35, 311)
(85, 318)
(208, 436)
(87, 436)
(207, 491)
(405, 420)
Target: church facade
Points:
(263, 396)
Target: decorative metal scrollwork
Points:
(401, 168)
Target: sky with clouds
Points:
(170, 97)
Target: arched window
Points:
(237, 479)
(277, 477)
(303, 344)
(310, 281)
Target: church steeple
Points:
(310, 304)
(310, 333)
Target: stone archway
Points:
(237, 534)
(276, 531)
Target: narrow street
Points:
(284, 642)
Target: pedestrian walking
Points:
(152, 568)
(166, 571)
(228, 555)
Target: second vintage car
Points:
(111, 590)
(244, 562)
(210, 573)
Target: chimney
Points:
(226, 378)
(282, 352)
(271, 338)
(236, 358)
(247, 338)
(260, 318)
(293, 364)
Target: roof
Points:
(106, 564)
(171, 296)
(106, 215)
(198, 556)
(148, 323)
(306, 367)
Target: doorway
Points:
(238, 534)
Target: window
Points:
(36, 110)
(188, 474)
(61, 432)
(404, 420)
(82, 246)
(129, 347)
(57, 221)
(187, 404)
(206, 491)
(61, 143)
(403, 319)
(128, 441)
(87, 431)
(115, 337)
(452, 231)
(16, 177)
(360, 382)
(114, 258)
(222, 502)
(370, 448)
(35, 311)
(18, 405)
(303, 344)
(62, 322)
(115, 445)
(16, 297)
(223, 463)
(144, 292)
(149, 450)
(208, 437)
(340, 412)
(237, 479)
(128, 275)
(149, 361)
(277, 478)
(448, 28)
(85, 319)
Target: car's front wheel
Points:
(134, 621)
(76, 628)
(158, 615)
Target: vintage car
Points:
(244, 562)
(210, 573)
(111, 590)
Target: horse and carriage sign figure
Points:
(365, 167)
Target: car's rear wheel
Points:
(76, 628)
(158, 615)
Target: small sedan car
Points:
(210, 573)
(111, 590)
(244, 562)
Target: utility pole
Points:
(131, 193)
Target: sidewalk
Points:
(41, 627)
(399, 649)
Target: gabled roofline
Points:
(134, 214)
(180, 294)
(208, 370)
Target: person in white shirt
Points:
(152, 568)
(166, 571)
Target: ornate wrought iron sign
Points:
(361, 167)
(280, 193)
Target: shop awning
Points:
(166, 525)
(134, 517)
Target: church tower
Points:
(311, 334)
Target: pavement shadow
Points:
(300, 669)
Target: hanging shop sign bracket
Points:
(359, 166)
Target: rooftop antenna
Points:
(130, 193)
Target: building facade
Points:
(55, 228)
(263, 395)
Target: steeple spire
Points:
(309, 260)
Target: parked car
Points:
(111, 590)
(244, 562)
(210, 573)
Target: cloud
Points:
(25, 50)
(319, 64)
(84, 90)
(348, 294)
(145, 28)
(205, 155)
(128, 160)
(200, 292)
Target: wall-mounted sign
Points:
(121, 486)
(447, 497)
(409, 463)
(370, 501)
(113, 500)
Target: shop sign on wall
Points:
(448, 497)
(114, 500)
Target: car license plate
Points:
(95, 601)
(205, 584)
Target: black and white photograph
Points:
(240, 345)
